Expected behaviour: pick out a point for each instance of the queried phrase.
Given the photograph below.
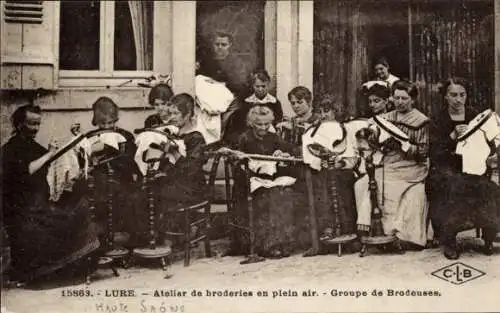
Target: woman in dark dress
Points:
(182, 183)
(124, 169)
(44, 236)
(273, 201)
(340, 172)
(446, 166)
(236, 124)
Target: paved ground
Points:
(323, 275)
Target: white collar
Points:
(267, 99)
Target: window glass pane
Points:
(133, 48)
(79, 35)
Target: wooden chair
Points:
(198, 215)
(195, 215)
(231, 165)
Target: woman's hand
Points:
(53, 146)
(460, 129)
(284, 124)
(492, 161)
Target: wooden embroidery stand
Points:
(340, 236)
(376, 235)
(153, 251)
(112, 253)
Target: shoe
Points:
(275, 253)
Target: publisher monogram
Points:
(458, 273)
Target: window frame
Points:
(106, 76)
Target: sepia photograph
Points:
(253, 156)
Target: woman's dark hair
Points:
(410, 88)
(19, 115)
(160, 91)
(104, 109)
(300, 92)
(443, 89)
(261, 75)
(334, 103)
(379, 91)
(382, 61)
(184, 102)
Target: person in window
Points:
(224, 66)
(300, 99)
(45, 236)
(400, 175)
(446, 165)
(261, 96)
(158, 98)
(381, 71)
(271, 184)
(181, 180)
(125, 171)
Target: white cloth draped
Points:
(143, 142)
(475, 148)
(268, 168)
(325, 135)
(212, 98)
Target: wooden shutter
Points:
(30, 46)
(23, 12)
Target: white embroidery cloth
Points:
(385, 135)
(213, 98)
(326, 135)
(143, 142)
(63, 171)
(268, 168)
(475, 149)
(111, 139)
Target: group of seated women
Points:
(47, 234)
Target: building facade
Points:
(78, 51)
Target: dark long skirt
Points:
(51, 236)
(460, 201)
(325, 217)
(273, 218)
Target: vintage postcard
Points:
(250, 156)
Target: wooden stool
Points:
(376, 232)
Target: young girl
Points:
(300, 99)
(261, 96)
(158, 98)
(340, 171)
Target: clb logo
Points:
(458, 273)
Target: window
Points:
(105, 43)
